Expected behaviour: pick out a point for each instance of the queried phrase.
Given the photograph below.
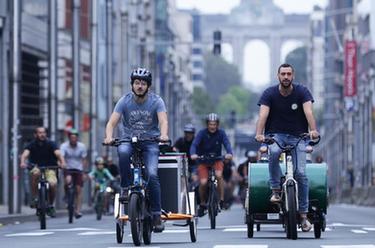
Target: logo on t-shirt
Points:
(294, 106)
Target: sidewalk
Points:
(28, 214)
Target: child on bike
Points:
(100, 176)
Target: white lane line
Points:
(175, 231)
(29, 234)
(131, 246)
(74, 229)
(369, 228)
(236, 229)
(96, 233)
(347, 246)
(358, 231)
(240, 246)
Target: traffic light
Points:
(217, 42)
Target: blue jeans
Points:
(151, 160)
(299, 167)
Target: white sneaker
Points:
(305, 225)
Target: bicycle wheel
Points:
(250, 226)
(212, 205)
(119, 231)
(70, 199)
(135, 217)
(193, 229)
(291, 219)
(147, 230)
(42, 206)
(99, 205)
(317, 230)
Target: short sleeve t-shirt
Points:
(140, 119)
(42, 153)
(73, 155)
(286, 112)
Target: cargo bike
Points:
(136, 210)
(258, 208)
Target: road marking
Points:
(358, 231)
(28, 234)
(74, 229)
(96, 233)
(132, 246)
(369, 228)
(347, 246)
(240, 246)
(236, 229)
(175, 231)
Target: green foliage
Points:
(220, 76)
(298, 59)
(202, 103)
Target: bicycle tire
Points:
(147, 230)
(292, 213)
(212, 205)
(193, 229)
(317, 230)
(135, 217)
(250, 226)
(42, 206)
(119, 231)
(99, 205)
(70, 193)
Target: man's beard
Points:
(286, 86)
(140, 95)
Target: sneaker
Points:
(201, 211)
(275, 197)
(78, 215)
(51, 212)
(305, 225)
(158, 224)
(124, 195)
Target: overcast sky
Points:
(259, 74)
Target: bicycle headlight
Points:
(109, 190)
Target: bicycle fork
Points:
(290, 182)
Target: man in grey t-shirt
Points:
(142, 114)
(75, 154)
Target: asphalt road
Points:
(347, 227)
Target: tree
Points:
(202, 103)
(298, 59)
(220, 76)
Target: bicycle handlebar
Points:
(269, 140)
(116, 142)
(32, 165)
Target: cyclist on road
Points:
(142, 114)
(44, 153)
(286, 112)
(75, 154)
(183, 144)
(207, 142)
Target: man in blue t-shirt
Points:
(141, 113)
(209, 141)
(286, 112)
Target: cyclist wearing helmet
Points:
(242, 170)
(75, 154)
(210, 141)
(286, 112)
(142, 114)
(183, 144)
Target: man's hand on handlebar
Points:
(228, 156)
(108, 140)
(259, 137)
(314, 134)
(164, 138)
(194, 157)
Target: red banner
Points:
(350, 80)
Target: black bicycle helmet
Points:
(212, 117)
(189, 128)
(142, 74)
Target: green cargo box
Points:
(259, 190)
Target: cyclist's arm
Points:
(163, 122)
(195, 143)
(111, 124)
(108, 174)
(60, 157)
(264, 111)
(24, 156)
(227, 145)
(307, 109)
